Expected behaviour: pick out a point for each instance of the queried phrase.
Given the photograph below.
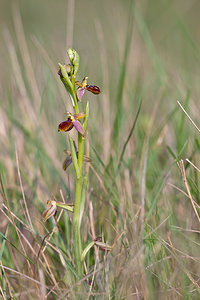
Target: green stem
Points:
(69, 82)
(77, 207)
(76, 226)
(78, 198)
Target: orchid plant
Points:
(75, 156)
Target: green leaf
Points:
(3, 245)
(129, 136)
(74, 157)
(3, 236)
(119, 107)
(85, 251)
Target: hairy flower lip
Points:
(65, 126)
(71, 122)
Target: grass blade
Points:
(129, 136)
(118, 117)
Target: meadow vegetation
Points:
(142, 190)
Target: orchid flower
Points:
(84, 86)
(52, 210)
(71, 122)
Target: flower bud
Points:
(68, 68)
(71, 55)
(76, 62)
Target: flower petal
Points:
(67, 162)
(68, 68)
(84, 82)
(78, 83)
(80, 92)
(65, 126)
(79, 115)
(50, 212)
(79, 127)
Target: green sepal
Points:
(69, 207)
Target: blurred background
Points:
(162, 57)
(139, 53)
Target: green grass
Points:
(144, 57)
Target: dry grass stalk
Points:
(182, 169)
